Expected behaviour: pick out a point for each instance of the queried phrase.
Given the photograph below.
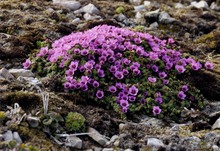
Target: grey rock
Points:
(30, 80)
(153, 122)
(209, 137)
(135, 2)
(21, 72)
(147, 3)
(121, 126)
(70, 4)
(116, 143)
(5, 74)
(165, 18)
(76, 21)
(191, 142)
(17, 138)
(121, 17)
(114, 138)
(201, 4)
(8, 136)
(94, 134)
(154, 25)
(129, 150)
(88, 16)
(179, 5)
(214, 6)
(108, 149)
(90, 8)
(97, 149)
(154, 142)
(73, 141)
(33, 121)
(153, 15)
(139, 8)
(216, 125)
(215, 148)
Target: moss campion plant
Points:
(126, 70)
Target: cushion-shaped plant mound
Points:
(126, 70)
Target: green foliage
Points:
(120, 10)
(75, 121)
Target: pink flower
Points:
(26, 64)
(152, 80)
(156, 110)
(209, 65)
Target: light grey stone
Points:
(21, 72)
(33, 121)
(154, 25)
(214, 6)
(70, 4)
(116, 143)
(108, 149)
(179, 5)
(30, 80)
(73, 141)
(94, 134)
(139, 8)
(97, 149)
(121, 126)
(152, 14)
(215, 148)
(209, 137)
(216, 125)
(129, 150)
(17, 138)
(135, 2)
(90, 8)
(5, 74)
(201, 4)
(154, 142)
(165, 18)
(88, 16)
(76, 20)
(121, 17)
(8, 136)
(153, 122)
(114, 138)
(147, 3)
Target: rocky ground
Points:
(195, 25)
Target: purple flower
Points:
(195, 66)
(113, 69)
(126, 61)
(124, 103)
(153, 56)
(102, 59)
(124, 109)
(84, 52)
(131, 98)
(209, 65)
(77, 51)
(124, 97)
(111, 59)
(136, 64)
(171, 41)
(125, 71)
(162, 75)
(180, 68)
(112, 89)
(95, 84)
(133, 91)
(118, 55)
(43, 52)
(154, 68)
(152, 80)
(97, 66)
(67, 85)
(181, 95)
(101, 73)
(136, 71)
(156, 110)
(100, 94)
(184, 88)
(119, 85)
(119, 75)
(69, 72)
(84, 88)
(159, 100)
(74, 65)
(26, 64)
(165, 81)
(88, 66)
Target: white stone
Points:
(17, 138)
(95, 135)
(138, 15)
(76, 20)
(215, 7)
(165, 18)
(154, 25)
(73, 141)
(88, 16)
(21, 72)
(108, 149)
(121, 126)
(90, 8)
(129, 150)
(114, 138)
(147, 3)
(154, 142)
(135, 2)
(5, 74)
(215, 148)
(139, 8)
(201, 4)
(70, 4)
(8, 136)
(216, 125)
(179, 5)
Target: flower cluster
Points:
(118, 66)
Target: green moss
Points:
(75, 121)
(120, 10)
(208, 39)
(2, 116)
(139, 28)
